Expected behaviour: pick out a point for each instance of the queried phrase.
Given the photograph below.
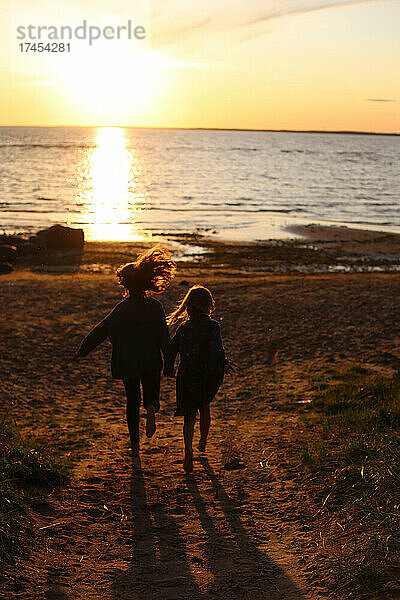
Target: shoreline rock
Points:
(45, 244)
(59, 237)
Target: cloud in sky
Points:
(228, 14)
(302, 64)
(213, 25)
(295, 8)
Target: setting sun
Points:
(108, 85)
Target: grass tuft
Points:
(355, 470)
(28, 468)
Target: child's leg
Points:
(188, 431)
(151, 399)
(132, 388)
(205, 421)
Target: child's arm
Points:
(165, 340)
(228, 366)
(218, 346)
(172, 354)
(94, 338)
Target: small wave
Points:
(16, 205)
(390, 204)
(239, 149)
(252, 209)
(365, 198)
(298, 151)
(285, 211)
(353, 155)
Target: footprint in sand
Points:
(56, 593)
(154, 450)
(94, 479)
(45, 509)
(91, 495)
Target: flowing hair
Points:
(152, 271)
(198, 300)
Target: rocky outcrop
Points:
(53, 244)
(59, 237)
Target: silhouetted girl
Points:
(139, 334)
(201, 367)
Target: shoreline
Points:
(358, 240)
(312, 249)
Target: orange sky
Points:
(294, 64)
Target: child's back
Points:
(201, 367)
(139, 335)
(138, 332)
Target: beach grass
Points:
(353, 466)
(31, 468)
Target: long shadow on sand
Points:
(240, 569)
(161, 569)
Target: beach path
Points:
(152, 532)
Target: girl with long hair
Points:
(202, 364)
(139, 336)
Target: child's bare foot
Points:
(202, 446)
(188, 463)
(150, 422)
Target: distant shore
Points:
(338, 132)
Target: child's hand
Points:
(170, 373)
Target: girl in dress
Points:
(202, 364)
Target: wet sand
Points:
(351, 240)
(120, 534)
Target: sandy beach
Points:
(330, 299)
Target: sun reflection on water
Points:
(107, 188)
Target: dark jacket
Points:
(202, 363)
(138, 333)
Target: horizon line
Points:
(327, 131)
